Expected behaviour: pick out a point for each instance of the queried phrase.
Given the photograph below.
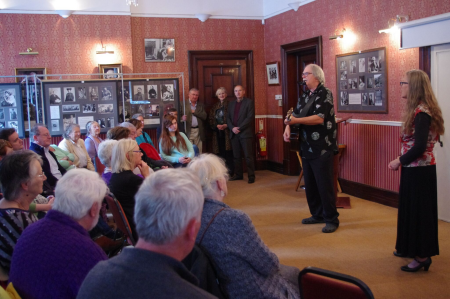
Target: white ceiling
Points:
(220, 9)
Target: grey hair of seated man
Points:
(210, 169)
(165, 204)
(318, 73)
(127, 125)
(77, 191)
(105, 151)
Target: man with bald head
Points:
(241, 123)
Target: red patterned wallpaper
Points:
(191, 34)
(65, 46)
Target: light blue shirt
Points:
(176, 153)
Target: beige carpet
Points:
(361, 247)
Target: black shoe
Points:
(396, 253)
(236, 178)
(329, 228)
(426, 265)
(312, 220)
(251, 180)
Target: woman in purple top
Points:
(92, 139)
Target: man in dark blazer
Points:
(50, 166)
(241, 123)
(194, 117)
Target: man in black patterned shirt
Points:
(318, 146)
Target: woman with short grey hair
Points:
(228, 235)
(73, 144)
(93, 139)
(22, 179)
(105, 154)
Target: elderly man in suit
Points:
(194, 117)
(240, 121)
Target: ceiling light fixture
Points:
(337, 35)
(134, 2)
(202, 16)
(392, 23)
(64, 13)
(295, 5)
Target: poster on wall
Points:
(363, 87)
(159, 49)
(11, 107)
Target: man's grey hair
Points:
(105, 151)
(35, 130)
(127, 125)
(193, 89)
(77, 191)
(209, 168)
(14, 171)
(69, 130)
(318, 73)
(135, 116)
(165, 203)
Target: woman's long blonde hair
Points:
(420, 91)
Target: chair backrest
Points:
(151, 152)
(120, 218)
(319, 283)
(99, 167)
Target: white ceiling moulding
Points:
(278, 7)
(180, 16)
(52, 12)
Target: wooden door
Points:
(209, 70)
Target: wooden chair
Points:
(99, 167)
(120, 218)
(320, 284)
(301, 172)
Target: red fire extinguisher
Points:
(262, 147)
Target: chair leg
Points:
(299, 180)
(339, 187)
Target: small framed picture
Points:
(110, 71)
(30, 71)
(159, 49)
(273, 73)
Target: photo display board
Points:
(362, 81)
(11, 108)
(79, 102)
(149, 97)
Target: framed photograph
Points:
(11, 107)
(159, 49)
(110, 71)
(273, 73)
(30, 71)
(364, 88)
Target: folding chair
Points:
(324, 284)
(120, 218)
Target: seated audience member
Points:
(252, 270)
(124, 184)
(168, 210)
(104, 154)
(173, 112)
(40, 145)
(118, 133)
(10, 134)
(65, 159)
(144, 138)
(93, 139)
(73, 144)
(22, 180)
(174, 146)
(53, 257)
(5, 148)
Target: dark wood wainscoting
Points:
(381, 196)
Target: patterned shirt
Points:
(316, 140)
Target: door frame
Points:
(290, 160)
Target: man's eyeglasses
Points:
(403, 83)
(42, 175)
(306, 74)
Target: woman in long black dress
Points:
(417, 228)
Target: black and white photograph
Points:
(105, 108)
(344, 98)
(369, 82)
(125, 93)
(371, 99)
(55, 96)
(110, 71)
(378, 98)
(362, 82)
(89, 108)
(344, 84)
(82, 93)
(101, 123)
(2, 114)
(14, 125)
(55, 125)
(13, 114)
(375, 64)
(152, 91)
(353, 67)
(154, 110)
(93, 93)
(273, 73)
(69, 94)
(106, 94)
(343, 65)
(352, 83)
(362, 65)
(70, 108)
(7, 98)
(159, 49)
(378, 81)
(343, 75)
(167, 93)
(2, 124)
(109, 122)
(68, 119)
(364, 99)
(138, 93)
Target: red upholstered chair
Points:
(120, 218)
(151, 152)
(316, 283)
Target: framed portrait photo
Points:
(273, 73)
(30, 71)
(110, 71)
(159, 49)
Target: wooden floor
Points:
(361, 247)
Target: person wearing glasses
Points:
(417, 227)
(22, 179)
(40, 145)
(315, 114)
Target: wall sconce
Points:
(202, 16)
(64, 13)
(392, 23)
(295, 5)
(29, 52)
(104, 51)
(337, 35)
